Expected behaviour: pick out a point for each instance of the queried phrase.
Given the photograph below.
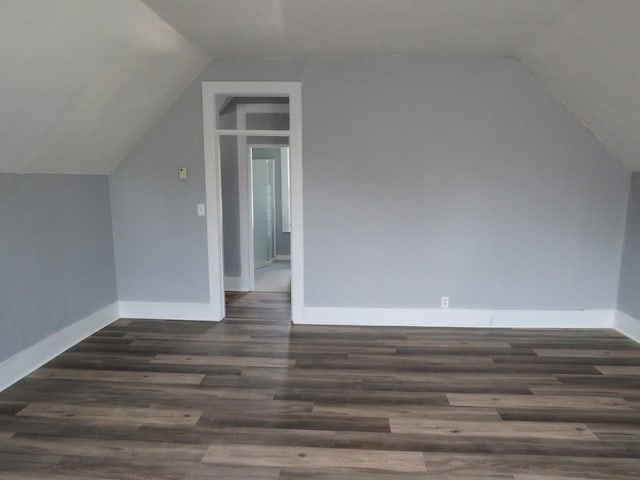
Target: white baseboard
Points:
(552, 318)
(28, 360)
(168, 311)
(627, 325)
(406, 317)
(283, 257)
(435, 317)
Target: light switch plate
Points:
(201, 210)
(182, 173)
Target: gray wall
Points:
(160, 242)
(283, 239)
(56, 255)
(629, 295)
(230, 205)
(422, 177)
(229, 178)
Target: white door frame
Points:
(292, 90)
(250, 257)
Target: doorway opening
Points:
(253, 174)
(271, 217)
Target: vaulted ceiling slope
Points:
(591, 61)
(82, 81)
(292, 27)
(586, 51)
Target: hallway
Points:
(274, 278)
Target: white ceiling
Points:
(83, 80)
(586, 51)
(284, 27)
(591, 61)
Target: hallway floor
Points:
(274, 278)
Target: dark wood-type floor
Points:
(254, 398)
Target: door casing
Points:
(213, 188)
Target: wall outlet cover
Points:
(444, 302)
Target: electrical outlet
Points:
(444, 302)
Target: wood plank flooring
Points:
(255, 398)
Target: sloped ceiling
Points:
(82, 81)
(285, 27)
(586, 51)
(591, 61)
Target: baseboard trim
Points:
(23, 363)
(406, 317)
(283, 257)
(168, 311)
(600, 318)
(627, 325)
(435, 317)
